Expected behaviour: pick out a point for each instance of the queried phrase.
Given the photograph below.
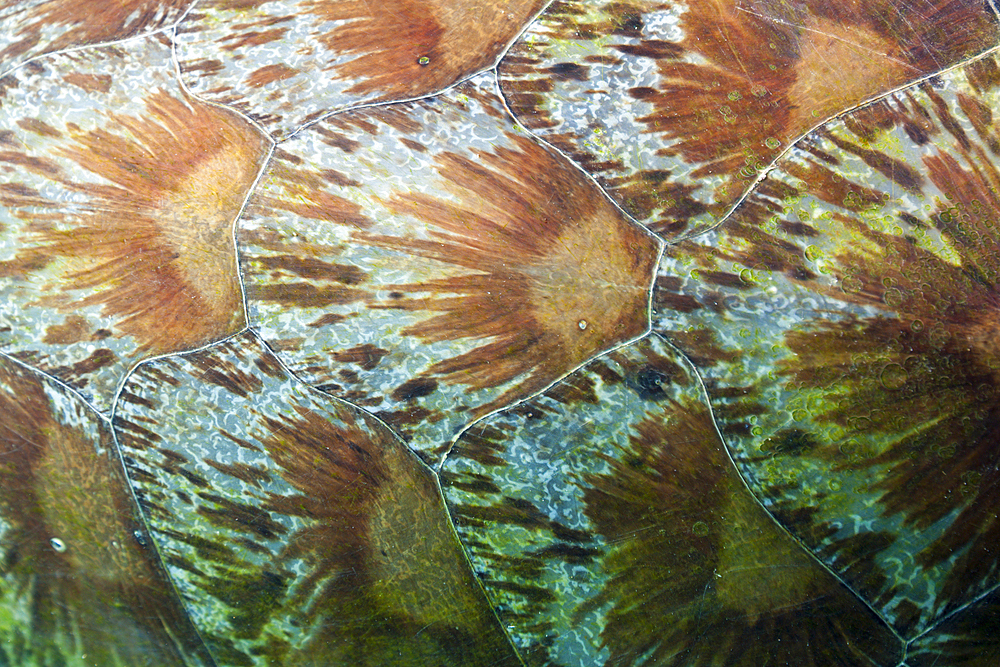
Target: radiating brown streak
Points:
(523, 228)
(776, 76)
(87, 22)
(164, 218)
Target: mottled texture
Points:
(79, 579)
(337, 333)
(678, 107)
(478, 268)
(32, 27)
(288, 62)
(301, 529)
(610, 527)
(846, 320)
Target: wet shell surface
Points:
(500, 332)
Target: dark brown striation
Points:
(470, 275)
(426, 262)
(891, 381)
(965, 639)
(781, 68)
(721, 578)
(742, 81)
(553, 273)
(78, 575)
(303, 533)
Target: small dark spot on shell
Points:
(649, 383)
(567, 71)
(794, 442)
(800, 273)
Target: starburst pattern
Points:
(484, 287)
(305, 532)
(76, 570)
(677, 107)
(643, 518)
(548, 333)
(142, 186)
(887, 370)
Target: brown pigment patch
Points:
(269, 74)
(92, 83)
(408, 47)
(551, 273)
(165, 220)
(827, 78)
(73, 330)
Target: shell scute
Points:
(103, 183)
(678, 108)
(329, 332)
(864, 287)
(466, 270)
(299, 527)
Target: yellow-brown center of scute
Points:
(827, 79)
(196, 221)
(590, 289)
(759, 569)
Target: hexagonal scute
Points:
(845, 318)
(678, 108)
(610, 526)
(432, 264)
(298, 529)
(79, 581)
(116, 213)
(288, 62)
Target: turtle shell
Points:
(499, 332)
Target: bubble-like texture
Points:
(459, 332)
